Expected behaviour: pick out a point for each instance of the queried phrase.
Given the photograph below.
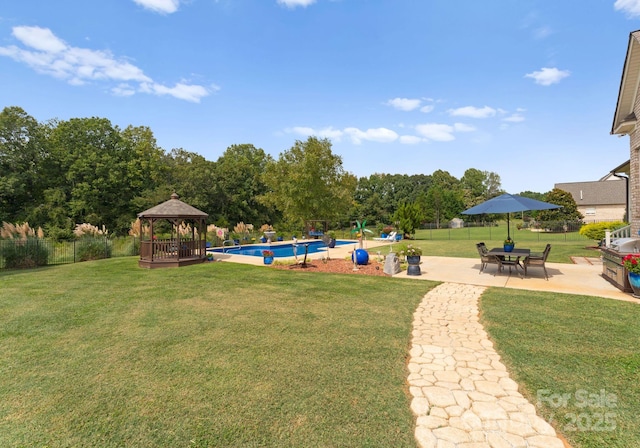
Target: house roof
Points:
(173, 208)
(609, 192)
(623, 168)
(624, 119)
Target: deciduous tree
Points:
(22, 153)
(309, 182)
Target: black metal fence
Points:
(542, 231)
(33, 252)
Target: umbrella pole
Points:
(508, 227)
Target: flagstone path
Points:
(462, 395)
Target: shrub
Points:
(93, 249)
(596, 230)
(24, 253)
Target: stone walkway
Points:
(462, 394)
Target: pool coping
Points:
(342, 251)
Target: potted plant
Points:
(331, 243)
(631, 263)
(412, 254)
(267, 256)
(508, 244)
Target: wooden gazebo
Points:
(179, 249)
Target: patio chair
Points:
(486, 258)
(390, 237)
(537, 260)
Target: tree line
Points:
(60, 173)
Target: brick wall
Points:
(634, 173)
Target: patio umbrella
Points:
(508, 203)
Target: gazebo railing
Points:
(172, 249)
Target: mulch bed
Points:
(337, 266)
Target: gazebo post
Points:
(151, 234)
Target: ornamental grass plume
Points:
(266, 228)
(184, 229)
(20, 231)
(137, 228)
(86, 229)
(243, 228)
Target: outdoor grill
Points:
(612, 268)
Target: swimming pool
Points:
(279, 250)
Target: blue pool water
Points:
(279, 250)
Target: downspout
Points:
(626, 196)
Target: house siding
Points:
(603, 213)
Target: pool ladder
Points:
(233, 243)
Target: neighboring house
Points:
(625, 122)
(602, 200)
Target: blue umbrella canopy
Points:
(508, 203)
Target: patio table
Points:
(515, 253)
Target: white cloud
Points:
(39, 38)
(330, 132)
(404, 104)
(294, 3)
(437, 132)
(542, 32)
(427, 109)
(47, 54)
(410, 139)
(301, 130)
(630, 7)
(161, 6)
(382, 135)
(461, 127)
(514, 118)
(426, 132)
(547, 76)
(181, 91)
(473, 112)
(123, 90)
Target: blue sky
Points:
(523, 88)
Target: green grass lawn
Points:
(107, 354)
(576, 357)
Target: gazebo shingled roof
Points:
(173, 208)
